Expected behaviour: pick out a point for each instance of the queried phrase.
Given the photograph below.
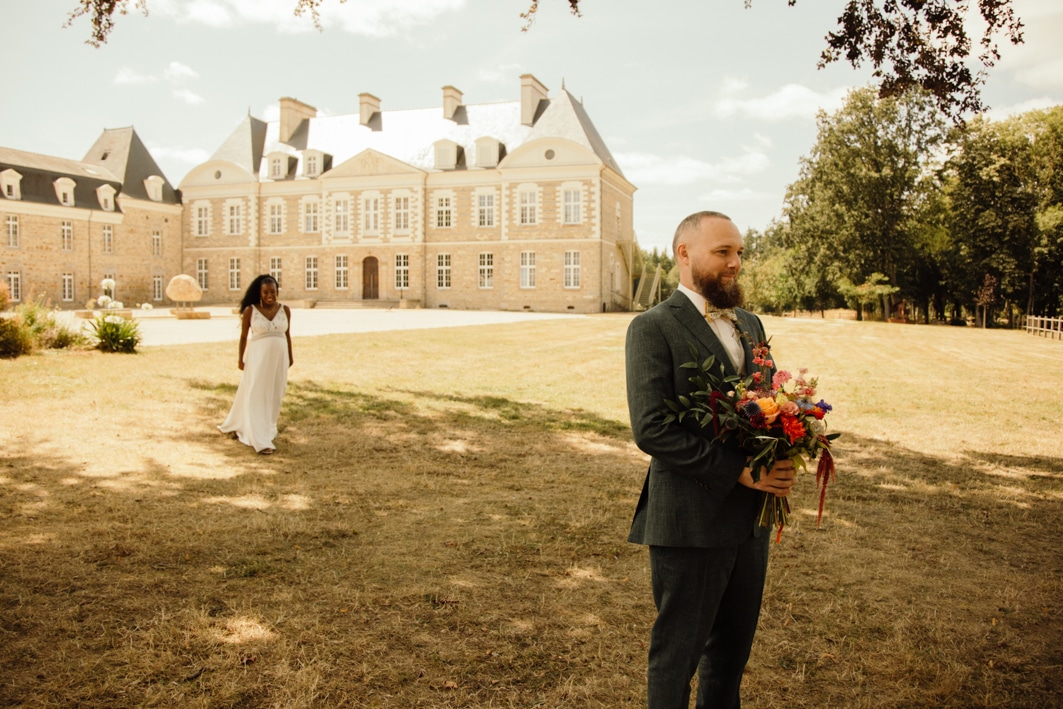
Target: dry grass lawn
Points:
(444, 525)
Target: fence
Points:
(1052, 328)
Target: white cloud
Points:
(271, 112)
(790, 101)
(502, 74)
(128, 76)
(650, 169)
(745, 194)
(192, 156)
(187, 96)
(177, 72)
(373, 18)
(1000, 113)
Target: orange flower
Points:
(769, 408)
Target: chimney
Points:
(451, 102)
(531, 93)
(293, 112)
(368, 105)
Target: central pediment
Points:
(370, 163)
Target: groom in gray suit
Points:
(698, 508)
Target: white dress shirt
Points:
(725, 330)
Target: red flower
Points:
(793, 428)
(817, 412)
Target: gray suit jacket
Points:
(691, 497)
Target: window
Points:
(311, 273)
(487, 270)
(109, 276)
(66, 235)
(443, 212)
(528, 211)
(341, 272)
(527, 269)
(310, 216)
(156, 288)
(234, 213)
(443, 271)
(572, 279)
(573, 207)
(153, 185)
(14, 285)
(201, 273)
(276, 168)
(64, 191)
(234, 274)
(105, 194)
(402, 271)
(203, 220)
(11, 227)
(402, 215)
(275, 268)
(12, 182)
(371, 215)
(486, 209)
(68, 287)
(342, 209)
(310, 168)
(156, 243)
(108, 239)
(276, 218)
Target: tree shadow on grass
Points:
(931, 576)
(428, 549)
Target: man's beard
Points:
(714, 291)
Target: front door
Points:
(370, 279)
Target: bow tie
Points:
(728, 314)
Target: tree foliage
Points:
(890, 194)
(908, 43)
(858, 206)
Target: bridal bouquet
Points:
(770, 416)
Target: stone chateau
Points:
(502, 206)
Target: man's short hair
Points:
(690, 223)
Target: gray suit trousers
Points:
(708, 604)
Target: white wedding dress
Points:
(257, 405)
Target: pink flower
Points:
(780, 378)
(790, 408)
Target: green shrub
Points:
(47, 333)
(4, 296)
(15, 338)
(59, 336)
(115, 334)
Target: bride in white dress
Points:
(265, 361)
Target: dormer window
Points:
(153, 186)
(11, 184)
(315, 162)
(279, 165)
(488, 152)
(64, 191)
(447, 153)
(105, 194)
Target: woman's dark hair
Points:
(253, 296)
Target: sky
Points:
(705, 104)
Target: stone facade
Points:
(507, 206)
(514, 206)
(69, 224)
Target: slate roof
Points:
(410, 135)
(122, 152)
(39, 173)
